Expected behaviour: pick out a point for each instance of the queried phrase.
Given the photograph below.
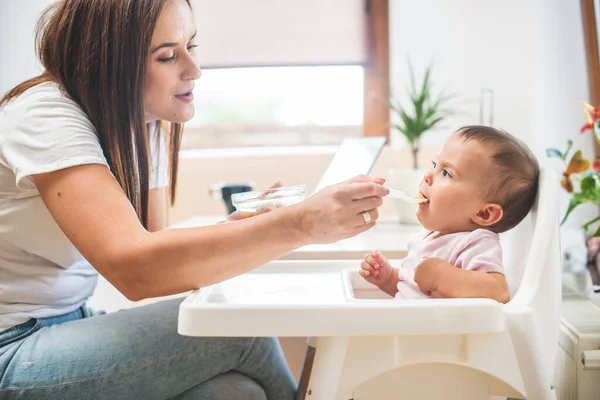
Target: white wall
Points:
(529, 52)
(560, 85)
(474, 44)
(561, 82)
(17, 26)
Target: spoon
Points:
(399, 194)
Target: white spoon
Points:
(399, 194)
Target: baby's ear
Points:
(488, 215)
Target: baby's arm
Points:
(391, 287)
(434, 274)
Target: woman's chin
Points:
(181, 115)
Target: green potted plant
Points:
(425, 111)
(585, 173)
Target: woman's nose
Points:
(193, 72)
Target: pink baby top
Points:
(479, 250)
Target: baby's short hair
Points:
(512, 182)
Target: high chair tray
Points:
(324, 298)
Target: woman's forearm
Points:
(177, 260)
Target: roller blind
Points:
(254, 33)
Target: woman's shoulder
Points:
(46, 95)
(44, 105)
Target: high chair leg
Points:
(325, 380)
(309, 360)
(532, 367)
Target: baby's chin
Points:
(424, 223)
(435, 226)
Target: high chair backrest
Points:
(516, 245)
(532, 261)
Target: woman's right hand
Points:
(334, 213)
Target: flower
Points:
(591, 119)
(579, 168)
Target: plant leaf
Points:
(412, 92)
(587, 197)
(553, 152)
(588, 185)
(569, 146)
(572, 205)
(596, 129)
(590, 222)
(435, 122)
(425, 110)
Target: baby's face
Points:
(455, 186)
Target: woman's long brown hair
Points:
(96, 50)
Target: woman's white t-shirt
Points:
(41, 273)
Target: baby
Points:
(483, 182)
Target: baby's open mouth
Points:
(421, 199)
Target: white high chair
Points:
(369, 347)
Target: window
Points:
(276, 106)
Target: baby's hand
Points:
(426, 274)
(376, 269)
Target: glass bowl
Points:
(257, 202)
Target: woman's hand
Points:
(341, 211)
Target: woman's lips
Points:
(185, 97)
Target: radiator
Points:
(577, 372)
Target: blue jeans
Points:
(136, 354)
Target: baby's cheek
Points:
(447, 207)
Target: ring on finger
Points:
(366, 216)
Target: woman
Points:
(83, 171)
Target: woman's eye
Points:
(446, 173)
(167, 59)
(192, 47)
